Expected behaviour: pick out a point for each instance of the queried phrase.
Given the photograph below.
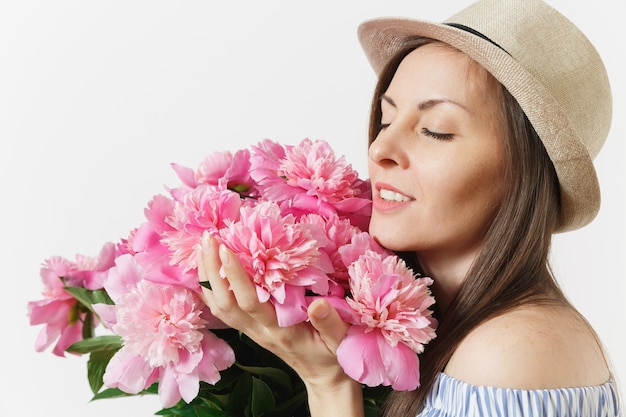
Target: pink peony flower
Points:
(223, 169)
(165, 338)
(145, 241)
(359, 244)
(175, 382)
(157, 321)
(123, 277)
(206, 208)
(391, 322)
(127, 273)
(90, 272)
(281, 257)
(333, 233)
(308, 178)
(59, 311)
(147, 247)
(265, 161)
(231, 170)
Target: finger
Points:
(331, 328)
(208, 271)
(203, 250)
(244, 289)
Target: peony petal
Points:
(188, 385)
(401, 365)
(106, 257)
(293, 310)
(355, 204)
(217, 356)
(50, 310)
(185, 174)
(71, 334)
(314, 277)
(360, 358)
(262, 294)
(47, 335)
(187, 361)
(144, 238)
(124, 276)
(367, 357)
(106, 313)
(169, 393)
(360, 244)
(128, 372)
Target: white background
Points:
(98, 98)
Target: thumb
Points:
(325, 319)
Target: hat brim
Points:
(381, 38)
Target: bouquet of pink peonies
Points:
(297, 218)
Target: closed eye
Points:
(437, 135)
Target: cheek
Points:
(482, 192)
(468, 190)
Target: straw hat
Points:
(546, 63)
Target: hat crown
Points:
(556, 53)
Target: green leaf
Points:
(295, 405)
(274, 374)
(193, 410)
(152, 389)
(373, 399)
(89, 297)
(110, 393)
(370, 410)
(94, 344)
(240, 395)
(209, 402)
(96, 366)
(189, 411)
(262, 400)
(118, 393)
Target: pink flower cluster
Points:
(59, 311)
(297, 218)
(390, 317)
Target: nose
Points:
(387, 150)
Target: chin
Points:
(390, 239)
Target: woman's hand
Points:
(309, 348)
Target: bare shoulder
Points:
(531, 348)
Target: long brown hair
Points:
(512, 268)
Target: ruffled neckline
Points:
(452, 397)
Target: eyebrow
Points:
(427, 104)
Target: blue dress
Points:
(450, 397)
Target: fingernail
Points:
(321, 310)
(206, 239)
(224, 256)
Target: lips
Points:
(389, 198)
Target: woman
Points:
(482, 135)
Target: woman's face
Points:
(437, 165)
